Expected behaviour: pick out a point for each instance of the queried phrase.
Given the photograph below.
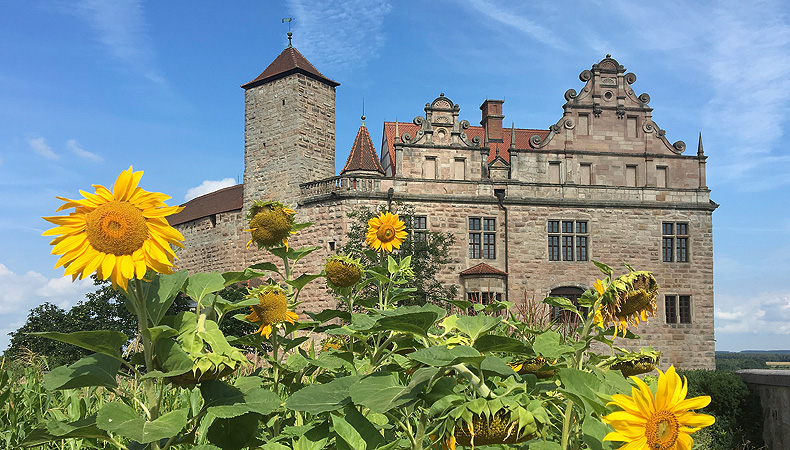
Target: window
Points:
(571, 239)
(429, 167)
(419, 228)
(482, 238)
(675, 242)
(459, 169)
(572, 294)
(630, 175)
(677, 308)
(554, 172)
(661, 176)
(585, 173)
(484, 297)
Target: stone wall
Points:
(773, 387)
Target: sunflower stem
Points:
(149, 385)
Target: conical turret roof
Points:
(363, 154)
(288, 62)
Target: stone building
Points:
(529, 208)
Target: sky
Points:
(90, 87)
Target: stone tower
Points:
(289, 129)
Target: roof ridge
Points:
(289, 61)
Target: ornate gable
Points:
(440, 127)
(608, 106)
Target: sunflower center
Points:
(270, 227)
(116, 227)
(386, 233)
(272, 308)
(661, 430)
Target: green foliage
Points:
(427, 256)
(747, 360)
(737, 411)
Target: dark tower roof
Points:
(289, 62)
(363, 154)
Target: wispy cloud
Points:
(208, 186)
(122, 28)
(519, 22)
(77, 149)
(316, 35)
(764, 313)
(743, 59)
(40, 146)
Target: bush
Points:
(739, 418)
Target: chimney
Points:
(492, 119)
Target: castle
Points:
(529, 208)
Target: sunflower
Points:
(118, 234)
(343, 271)
(270, 224)
(386, 232)
(629, 299)
(661, 422)
(272, 308)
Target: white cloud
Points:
(316, 26)
(21, 293)
(208, 186)
(519, 22)
(122, 28)
(40, 146)
(765, 314)
(77, 149)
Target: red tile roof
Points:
(363, 153)
(522, 138)
(223, 200)
(482, 269)
(290, 61)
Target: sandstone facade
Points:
(534, 206)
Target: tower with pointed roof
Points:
(289, 128)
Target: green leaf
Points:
(214, 447)
(315, 439)
(247, 395)
(489, 343)
(392, 265)
(545, 445)
(234, 433)
(162, 293)
(200, 285)
(93, 370)
(172, 359)
(442, 356)
(548, 344)
(463, 304)
(54, 430)
(252, 272)
(318, 398)
(382, 391)
(606, 270)
(159, 332)
(496, 366)
(355, 431)
(267, 446)
(122, 419)
(594, 431)
(588, 298)
(329, 314)
(561, 302)
(583, 389)
(100, 341)
(475, 326)
(293, 254)
(303, 279)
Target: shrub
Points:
(738, 413)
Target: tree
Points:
(428, 253)
(103, 309)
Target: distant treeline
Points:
(731, 361)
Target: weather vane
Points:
(289, 20)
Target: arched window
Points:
(572, 294)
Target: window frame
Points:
(419, 228)
(568, 240)
(482, 237)
(678, 309)
(675, 242)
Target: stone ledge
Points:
(769, 377)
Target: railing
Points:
(341, 183)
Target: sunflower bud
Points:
(270, 224)
(343, 271)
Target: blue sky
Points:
(90, 87)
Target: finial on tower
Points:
(289, 19)
(363, 111)
(700, 152)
